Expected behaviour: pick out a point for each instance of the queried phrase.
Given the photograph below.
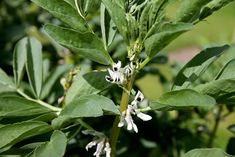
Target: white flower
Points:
(101, 142)
(138, 98)
(117, 66)
(126, 116)
(129, 69)
(115, 75)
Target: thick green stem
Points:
(123, 105)
(215, 128)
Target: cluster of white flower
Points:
(101, 142)
(119, 75)
(132, 109)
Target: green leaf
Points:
(54, 76)
(231, 128)
(86, 44)
(34, 65)
(189, 10)
(19, 60)
(12, 106)
(71, 2)
(107, 26)
(213, 6)
(196, 66)
(89, 106)
(227, 71)
(4, 79)
(46, 117)
(206, 152)
(144, 19)
(157, 10)
(86, 84)
(117, 14)
(219, 89)
(182, 99)
(91, 5)
(61, 121)
(54, 148)
(64, 12)
(166, 34)
(13, 133)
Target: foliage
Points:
(47, 109)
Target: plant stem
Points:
(53, 108)
(84, 124)
(144, 63)
(215, 128)
(123, 105)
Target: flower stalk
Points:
(123, 105)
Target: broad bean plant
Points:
(97, 109)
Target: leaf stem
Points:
(84, 124)
(215, 128)
(53, 108)
(142, 65)
(123, 105)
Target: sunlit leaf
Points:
(166, 34)
(107, 26)
(207, 152)
(64, 12)
(213, 6)
(118, 16)
(196, 66)
(89, 106)
(86, 84)
(86, 44)
(228, 71)
(12, 106)
(219, 89)
(189, 10)
(34, 65)
(182, 99)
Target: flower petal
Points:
(99, 148)
(143, 116)
(117, 66)
(91, 144)
(135, 128)
(139, 96)
(107, 149)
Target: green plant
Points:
(32, 126)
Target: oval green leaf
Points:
(207, 152)
(182, 99)
(166, 34)
(196, 66)
(64, 12)
(54, 148)
(13, 133)
(86, 84)
(34, 65)
(89, 106)
(19, 60)
(12, 106)
(86, 44)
